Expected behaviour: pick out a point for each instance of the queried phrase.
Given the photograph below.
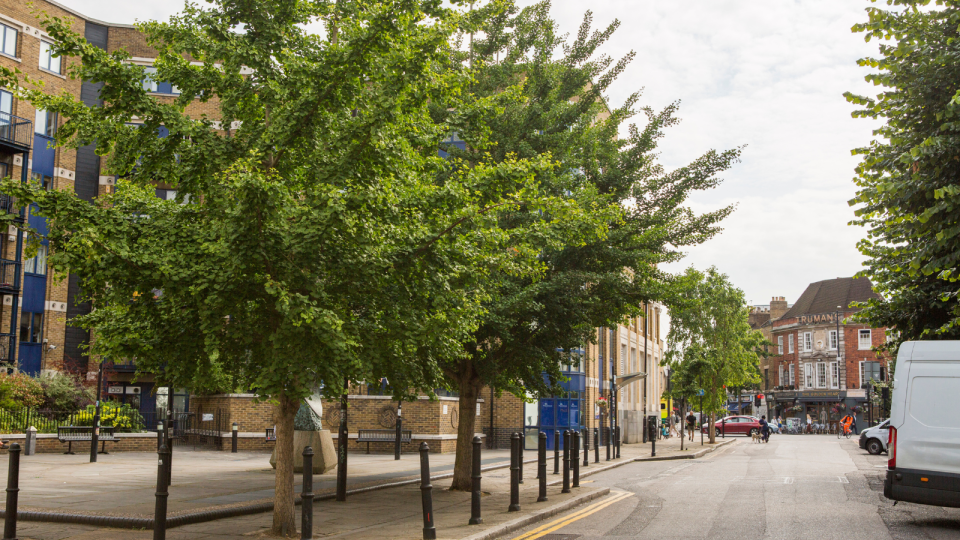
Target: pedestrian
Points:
(764, 428)
(691, 423)
(856, 431)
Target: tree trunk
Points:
(466, 429)
(713, 429)
(284, 514)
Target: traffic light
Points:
(756, 401)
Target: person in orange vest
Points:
(846, 421)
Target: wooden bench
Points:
(382, 435)
(72, 434)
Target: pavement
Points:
(124, 484)
(814, 487)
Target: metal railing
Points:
(16, 130)
(48, 420)
(9, 275)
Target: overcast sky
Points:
(768, 74)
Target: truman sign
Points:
(819, 318)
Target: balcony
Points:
(9, 277)
(16, 134)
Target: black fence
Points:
(200, 429)
(16, 130)
(123, 420)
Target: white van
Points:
(924, 443)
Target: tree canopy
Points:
(907, 196)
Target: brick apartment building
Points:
(35, 337)
(821, 359)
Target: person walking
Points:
(856, 430)
(691, 423)
(764, 429)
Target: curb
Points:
(538, 516)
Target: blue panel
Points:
(547, 412)
(549, 433)
(575, 412)
(38, 223)
(148, 405)
(563, 412)
(34, 289)
(162, 132)
(462, 145)
(164, 87)
(44, 155)
(30, 358)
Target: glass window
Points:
(780, 376)
(833, 340)
(793, 378)
(8, 40)
(31, 327)
(808, 341)
(790, 343)
(43, 181)
(149, 79)
(834, 375)
(779, 344)
(38, 263)
(47, 60)
(808, 375)
(865, 340)
(531, 414)
(45, 123)
(821, 375)
(6, 105)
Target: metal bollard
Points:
(342, 457)
(596, 446)
(523, 442)
(609, 441)
(163, 481)
(556, 452)
(399, 435)
(566, 462)
(475, 518)
(306, 496)
(575, 456)
(426, 493)
(542, 466)
(13, 493)
(514, 473)
(233, 442)
(653, 438)
(619, 434)
(159, 434)
(586, 447)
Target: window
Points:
(834, 375)
(808, 375)
(807, 341)
(780, 381)
(821, 375)
(38, 263)
(790, 344)
(866, 341)
(8, 40)
(45, 123)
(43, 181)
(47, 60)
(149, 79)
(779, 344)
(766, 378)
(793, 375)
(31, 327)
(869, 371)
(623, 359)
(833, 340)
(6, 104)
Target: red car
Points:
(736, 425)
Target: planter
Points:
(324, 455)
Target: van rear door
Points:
(929, 438)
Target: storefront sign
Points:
(207, 417)
(819, 318)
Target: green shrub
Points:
(20, 390)
(64, 393)
(122, 417)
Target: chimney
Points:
(778, 306)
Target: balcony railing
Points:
(9, 276)
(15, 130)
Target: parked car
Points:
(735, 425)
(924, 445)
(874, 440)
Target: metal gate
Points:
(201, 430)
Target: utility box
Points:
(30, 446)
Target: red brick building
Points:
(822, 359)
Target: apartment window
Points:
(866, 341)
(834, 375)
(808, 375)
(43, 181)
(790, 344)
(779, 344)
(31, 327)
(48, 61)
(821, 375)
(807, 341)
(780, 381)
(623, 359)
(833, 340)
(869, 371)
(6, 106)
(793, 375)
(45, 123)
(8, 40)
(38, 263)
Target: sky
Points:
(765, 74)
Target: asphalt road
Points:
(795, 487)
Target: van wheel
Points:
(874, 446)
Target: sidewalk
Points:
(124, 484)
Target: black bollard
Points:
(586, 447)
(596, 446)
(653, 437)
(342, 455)
(514, 473)
(523, 442)
(13, 493)
(575, 457)
(618, 441)
(542, 466)
(306, 496)
(608, 441)
(163, 482)
(399, 436)
(233, 441)
(566, 462)
(475, 518)
(556, 452)
(426, 493)
(159, 434)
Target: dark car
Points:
(736, 425)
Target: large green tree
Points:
(310, 242)
(908, 196)
(597, 270)
(710, 346)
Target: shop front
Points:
(558, 412)
(818, 407)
